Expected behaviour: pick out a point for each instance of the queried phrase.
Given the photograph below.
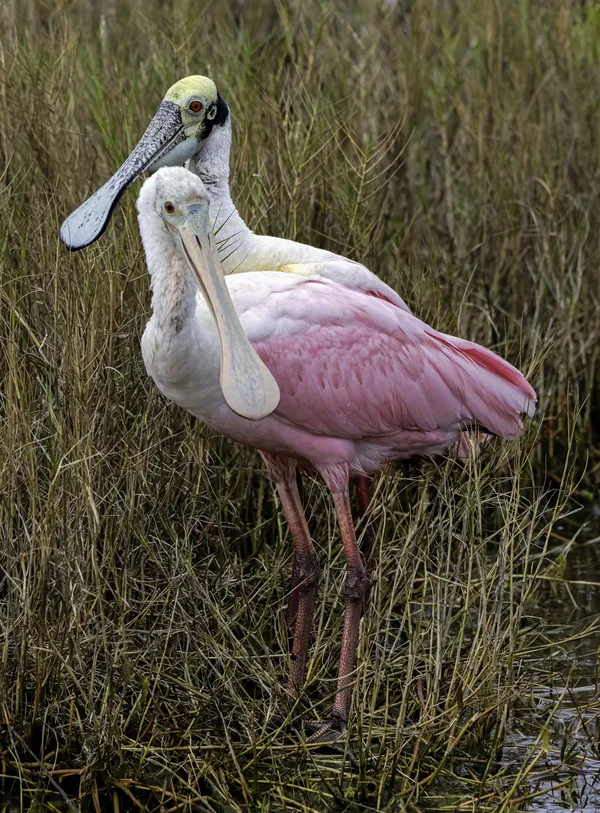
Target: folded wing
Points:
(354, 366)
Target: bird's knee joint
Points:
(307, 570)
(358, 582)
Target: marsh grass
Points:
(453, 148)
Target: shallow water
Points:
(566, 773)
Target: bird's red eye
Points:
(195, 106)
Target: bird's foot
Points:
(331, 733)
(326, 730)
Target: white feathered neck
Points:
(239, 248)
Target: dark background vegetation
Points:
(453, 148)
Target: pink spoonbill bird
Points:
(308, 372)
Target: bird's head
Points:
(174, 197)
(196, 108)
(188, 114)
(178, 199)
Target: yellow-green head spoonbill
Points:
(193, 124)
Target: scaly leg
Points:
(362, 493)
(305, 575)
(292, 608)
(357, 586)
(361, 485)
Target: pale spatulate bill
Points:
(248, 386)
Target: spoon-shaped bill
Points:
(164, 134)
(248, 387)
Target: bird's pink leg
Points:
(357, 587)
(361, 484)
(292, 608)
(362, 493)
(356, 590)
(305, 575)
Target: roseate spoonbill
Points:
(361, 383)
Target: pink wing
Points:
(352, 366)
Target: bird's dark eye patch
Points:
(195, 106)
(169, 207)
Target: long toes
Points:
(324, 731)
(332, 735)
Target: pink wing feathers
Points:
(353, 366)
